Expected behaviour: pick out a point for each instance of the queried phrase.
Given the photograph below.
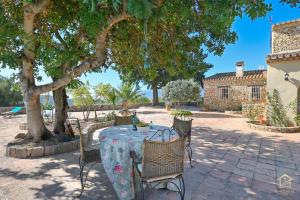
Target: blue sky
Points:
(252, 46)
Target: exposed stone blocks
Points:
(239, 92)
(286, 37)
(32, 151)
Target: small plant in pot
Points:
(182, 114)
(142, 126)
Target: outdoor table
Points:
(115, 144)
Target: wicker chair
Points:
(163, 162)
(122, 120)
(184, 129)
(89, 154)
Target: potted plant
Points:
(142, 126)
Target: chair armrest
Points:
(136, 161)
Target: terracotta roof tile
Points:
(232, 75)
(284, 56)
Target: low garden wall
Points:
(274, 128)
(33, 150)
(232, 112)
(79, 109)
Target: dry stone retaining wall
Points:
(34, 151)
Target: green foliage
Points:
(10, 94)
(293, 107)
(254, 111)
(276, 111)
(107, 93)
(297, 120)
(181, 91)
(128, 92)
(83, 98)
(181, 113)
(141, 100)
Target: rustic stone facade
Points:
(286, 37)
(284, 65)
(239, 90)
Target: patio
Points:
(230, 161)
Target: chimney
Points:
(240, 68)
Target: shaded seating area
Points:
(16, 110)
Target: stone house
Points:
(284, 64)
(228, 91)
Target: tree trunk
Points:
(61, 110)
(35, 121)
(155, 101)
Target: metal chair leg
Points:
(190, 154)
(83, 178)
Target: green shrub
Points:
(276, 112)
(297, 120)
(254, 111)
(181, 91)
(181, 113)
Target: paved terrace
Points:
(231, 162)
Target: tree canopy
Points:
(68, 38)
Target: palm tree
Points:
(127, 92)
(108, 93)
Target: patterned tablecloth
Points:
(115, 144)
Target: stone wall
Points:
(286, 37)
(33, 150)
(79, 109)
(239, 93)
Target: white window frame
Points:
(222, 93)
(255, 92)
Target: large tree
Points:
(173, 51)
(175, 46)
(31, 31)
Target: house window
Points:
(224, 92)
(255, 92)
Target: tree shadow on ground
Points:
(66, 183)
(217, 154)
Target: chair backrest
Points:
(163, 158)
(183, 127)
(122, 120)
(81, 142)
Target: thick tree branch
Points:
(91, 63)
(36, 8)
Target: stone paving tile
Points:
(264, 186)
(242, 172)
(218, 173)
(231, 162)
(242, 180)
